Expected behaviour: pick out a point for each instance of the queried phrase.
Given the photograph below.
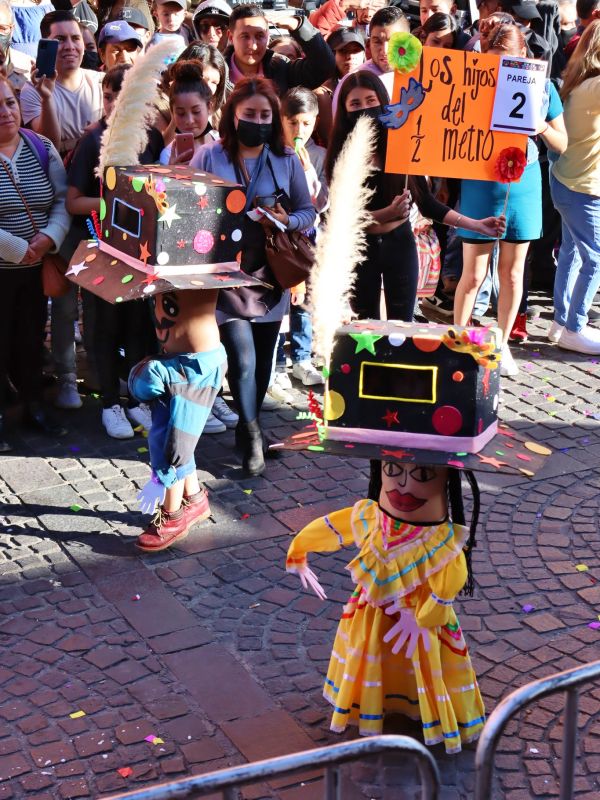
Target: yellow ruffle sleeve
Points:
(386, 574)
(436, 597)
(331, 532)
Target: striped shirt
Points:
(45, 196)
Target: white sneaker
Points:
(508, 366)
(116, 423)
(214, 425)
(269, 403)
(554, 332)
(68, 396)
(585, 341)
(282, 379)
(140, 415)
(222, 412)
(307, 373)
(279, 394)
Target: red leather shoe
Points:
(166, 528)
(518, 332)
(196, 508)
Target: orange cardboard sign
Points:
(448, 135)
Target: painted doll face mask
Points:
(413, 492)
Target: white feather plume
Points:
(126, 134)
(342, 241)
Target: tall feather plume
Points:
(126, 134)
(342, 241)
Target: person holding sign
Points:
(523, 213)
(391, 247)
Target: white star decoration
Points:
(76, 269)
(169, 216)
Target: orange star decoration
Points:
(150, 278)
(203, 202)
(397, 453)
(390, 418)
(181, 244)
(493, 462)
(144, 252)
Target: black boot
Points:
(250, 435)
(5, 447)
(37, 418)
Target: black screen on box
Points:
(398, 382)
(126, 218)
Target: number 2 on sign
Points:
(417, 139)
(521, 100)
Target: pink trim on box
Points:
(420, 441)
(174, 269)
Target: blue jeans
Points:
(489, 288)
(300, 334)
(578, 269)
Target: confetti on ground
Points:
(142, 449)
(247, 491)
(77, 714)
(245, 516)
(581, 567)
(528, 608)
(150, 738)
(254, 605)
(75, 507)
(533, 750)
(125, 772)
(136, 597)
(594, 625)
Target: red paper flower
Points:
(510, 164)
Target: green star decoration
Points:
(365, 341)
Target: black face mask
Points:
(91, 60)
(253, 134)
(374, 112)
(5, 44)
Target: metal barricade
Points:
(567, 681)
(228, 781)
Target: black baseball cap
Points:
(524, 9)
(134, 16)
(344, 36)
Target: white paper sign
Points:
(519, 95)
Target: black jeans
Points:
(249, 347)
(22, 324)
(392, 256)
(127, 326)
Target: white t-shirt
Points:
(75, 109)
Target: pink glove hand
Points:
(309, 581)
(406, 631)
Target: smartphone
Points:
(183, 143)
(45, 62)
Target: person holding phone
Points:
(33, 222)
(190, 103)
(251, 151)
(249, 55)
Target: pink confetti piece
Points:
(125, 772)
(150, 738)
(528, 608)
(136, 597)
(594, 625)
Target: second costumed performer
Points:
(420, 402)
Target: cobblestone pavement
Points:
(222, 657)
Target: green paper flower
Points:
(404, 51)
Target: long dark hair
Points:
(208, 56)
(246, 88)
(342, 124)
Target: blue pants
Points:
(578, 270)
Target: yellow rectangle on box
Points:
(448, 135)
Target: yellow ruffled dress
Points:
(420, 567)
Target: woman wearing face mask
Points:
(391, 248)
(251, 152)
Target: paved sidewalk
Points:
(213, 650)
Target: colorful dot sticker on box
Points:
(126, 278)
(97, 281)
